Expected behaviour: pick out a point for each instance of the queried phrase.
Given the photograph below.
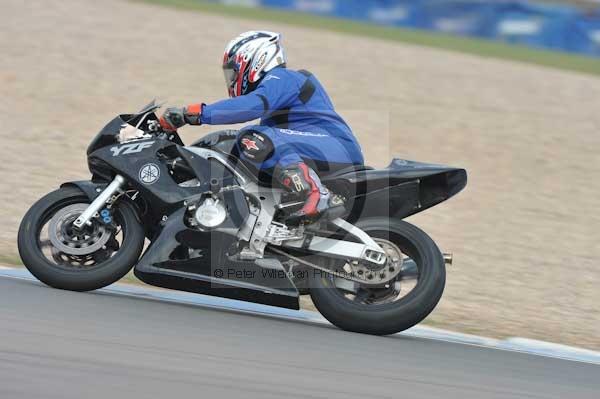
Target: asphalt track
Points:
(59, 344)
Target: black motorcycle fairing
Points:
(165, 264)
(400, 190)
(164, 193)
(108, 135)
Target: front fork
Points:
(100, 201)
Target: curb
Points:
(513, 344)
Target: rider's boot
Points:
(304, 184)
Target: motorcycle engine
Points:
(226, 210)
(210, 213)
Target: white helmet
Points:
(249, 57)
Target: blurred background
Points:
(569, 26)
(509, 90)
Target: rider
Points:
(299, 131)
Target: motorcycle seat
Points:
(352, 169)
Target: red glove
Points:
(174, 118)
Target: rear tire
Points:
(387, 318)
(101, 275)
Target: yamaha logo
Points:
(149, 173)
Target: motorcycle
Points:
(198, 219)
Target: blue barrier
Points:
(556, 27)
(584, 35)
(532, 25)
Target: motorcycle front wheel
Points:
(78, 260)
(396, 305)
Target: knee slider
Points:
(255, 146)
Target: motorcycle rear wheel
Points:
(377, 312)
(109, 261)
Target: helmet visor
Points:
(230, 76)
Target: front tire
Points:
(387, 317)
(93, 271)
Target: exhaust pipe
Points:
(410, 270)
(448, 259)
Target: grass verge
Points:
(483, 48)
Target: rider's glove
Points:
(174, 118)
(301, 180)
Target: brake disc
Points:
(71, 241)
